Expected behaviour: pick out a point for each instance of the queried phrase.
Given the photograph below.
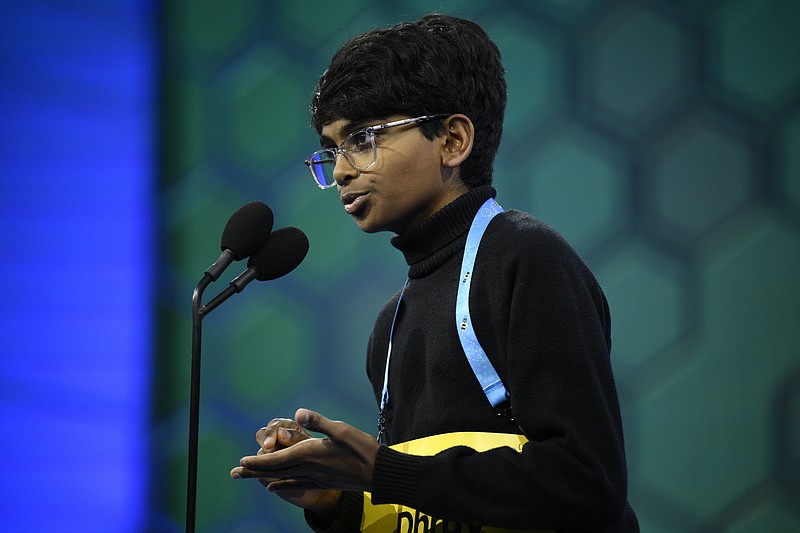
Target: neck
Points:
(442, 234)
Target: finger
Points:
(291, 486)
(288, 437)
(280, 438)
(266, 437)
(270, 463)
(261, 436)
(267, 480)
(241, 472)
(314, 421)
(270, 476)
(244, 471)
(292, 493)
(285, 493)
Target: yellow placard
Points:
(392, 518)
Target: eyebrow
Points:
(346, 129)
(326, 142)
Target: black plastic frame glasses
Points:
(358, 148)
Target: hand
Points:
(282, 433)
(343, 460)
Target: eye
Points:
(359, 141)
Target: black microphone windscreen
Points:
(285, 249)
(247, 230)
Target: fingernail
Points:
(284, 433)
(236, 475)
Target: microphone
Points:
(246, 231)
(283, 252)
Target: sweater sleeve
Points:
(350, 509)
(549, 339)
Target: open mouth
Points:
(353, 201)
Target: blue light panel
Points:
(77, 101)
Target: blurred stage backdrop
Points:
(662, 138)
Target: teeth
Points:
(352, 203)
(350, 198)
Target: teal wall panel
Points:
(660, 137)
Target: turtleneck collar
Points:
(430, 244)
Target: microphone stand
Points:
(294, 243)
(194, 402)
(198, 312)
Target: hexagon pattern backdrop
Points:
(662, 138)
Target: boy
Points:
(499, 316)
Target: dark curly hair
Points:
(437, 64)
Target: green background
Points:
(662, 138)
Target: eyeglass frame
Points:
(370, 131)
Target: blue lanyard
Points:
(487, 376)
(492, 386)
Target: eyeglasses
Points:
(358, 148)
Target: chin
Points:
(367, 225)
(364, 224)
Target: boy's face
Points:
(406, 185)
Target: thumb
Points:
(313, 421)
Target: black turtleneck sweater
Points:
(544, 323)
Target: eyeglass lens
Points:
(322, 164)
(359, 150)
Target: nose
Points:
(343, 171)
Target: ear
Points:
(458, 137)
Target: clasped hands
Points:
(308, 471)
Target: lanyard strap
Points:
(385, 394)
(487, 376)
